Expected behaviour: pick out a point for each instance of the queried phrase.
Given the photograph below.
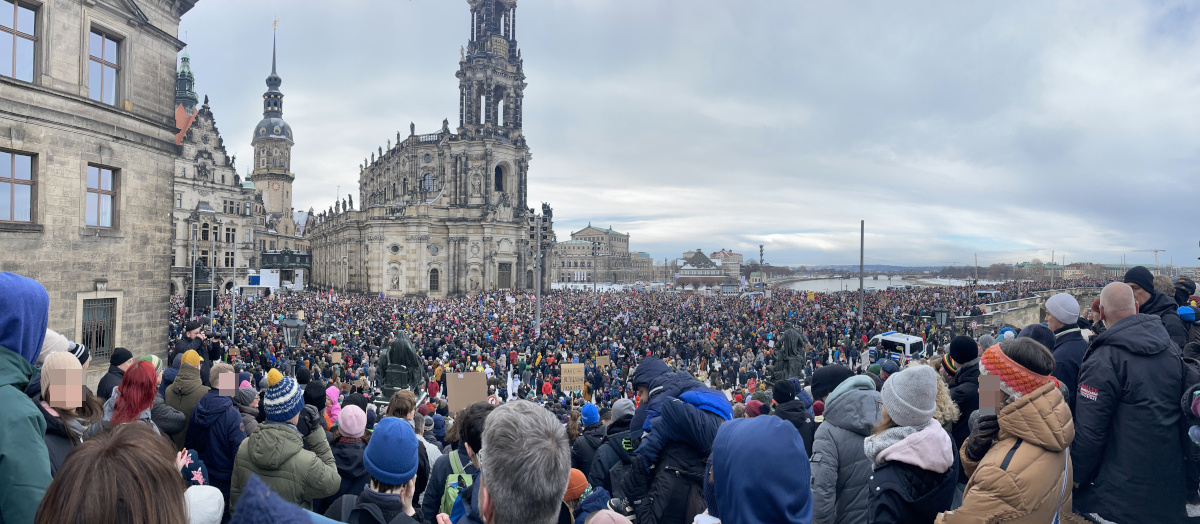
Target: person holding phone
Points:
(1017, 454)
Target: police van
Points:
(896, 346)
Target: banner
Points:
(572, 377)
(464, 389)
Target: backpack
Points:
(676, 488)
(456, 481)
(622, 443)
(354, 512)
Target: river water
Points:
(849, 284)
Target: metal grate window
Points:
(99, 327)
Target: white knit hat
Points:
(53, 343)
(1063, 307)
(205, 504)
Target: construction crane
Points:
(1156, 252)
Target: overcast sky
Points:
(1007, 129)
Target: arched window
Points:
(427, 183)
(499, 178)
(433, 279)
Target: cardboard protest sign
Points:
(337, 357)
(572, 377)
(603, 360)
(464, 389)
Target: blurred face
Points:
(193, 333)
(226, 385)
(642, 392)
(66, 388)
(991, 398)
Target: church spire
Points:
(185, 85)
(273, 98)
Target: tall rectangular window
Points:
(104, 63)
(178, 200)
(18, 33)
(101, 194)
(229, 259)
(99, 326)
(16, 186)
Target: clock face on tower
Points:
(275, 186)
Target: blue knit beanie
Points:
(283, 400)
(391, 456)
(589, 415)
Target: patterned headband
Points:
(1015, 380)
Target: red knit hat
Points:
(1015, 380)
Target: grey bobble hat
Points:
(910, 396)
(622, 407)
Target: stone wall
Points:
(53, 121)
(1022, 312)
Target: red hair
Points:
(137, 392)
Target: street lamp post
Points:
(595, 264)
(941, 316)
(293, 330)
(192, 309)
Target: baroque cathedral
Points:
(445, 213)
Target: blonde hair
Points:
(946, 411)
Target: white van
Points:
(896, 346)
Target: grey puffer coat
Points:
(841, 472)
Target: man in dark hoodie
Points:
(1132, 363)
(1151, 301)
(24, 460)
(614, 449)
(791, 409)
(215, 429)
(470, 434)
(583, 450)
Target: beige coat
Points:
(1021, 477)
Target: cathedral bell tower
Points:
(272, 173)
(491, 78)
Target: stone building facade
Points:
(213, 217)
(596, 252)
(444, 213)
(88, 135)
(731, 263)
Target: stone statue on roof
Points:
(412, 128)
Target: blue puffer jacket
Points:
(680, 409)
(215, 432)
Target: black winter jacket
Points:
(610, 452)
(1166, 309)
(1069, 347)
(965, 393)
(793, 411)
(109, 381)
(583, 450)
(906, 494)
(1128, 448)
(352, 469)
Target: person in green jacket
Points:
(24, 460)
(298, 467)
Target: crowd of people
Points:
(683, 417)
